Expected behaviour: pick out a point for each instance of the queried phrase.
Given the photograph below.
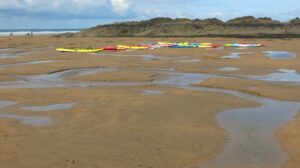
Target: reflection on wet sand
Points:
(28, 120)
(152, 92)
(229, 69)
(6, 113)
(235, 55)
(279, 55)
(51, 107)
(26, 63)
(11, 53)
(283, 75)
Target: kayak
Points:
(80, 50)
(155, 46)
(111, 48)
(207, 45)
(133, 47)
(183, 43)
(139, 47)
(187, 45)
(182, 46)
(244, 45)
(165, 44)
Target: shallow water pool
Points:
(235, 55)
(51, 107)
(189, 61)
(28, 120)
(282, 75)
(152, 92)
(229, 69)
(279, 55)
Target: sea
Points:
(23, 32)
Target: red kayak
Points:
(110, 48)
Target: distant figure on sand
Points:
(31, 33)
(11, 34)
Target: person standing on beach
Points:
(31, 33)
(11, 34)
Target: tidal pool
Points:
(283, 75)
(151, 57)
(26, 63)
(6, 103)
(182, 79)
(59, 79)
(235, 55)
(144, 57)
(28, 120)
(279, 55)
(51, 107)
(189, 61)
(17, 54)
(9, 55)
(36, 62)
(152, 92)
(5, 49)
(250, 144)
(229, 69)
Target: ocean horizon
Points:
(23, 32)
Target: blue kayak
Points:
(182, 46)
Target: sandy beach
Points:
(145, 108)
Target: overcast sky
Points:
(18, 14)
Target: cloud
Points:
(79, 9)
(120, 6)
(10, 4)
(104, 11)
(67, 9)
(101, 11)
(47, 5)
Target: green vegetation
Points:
(247, 26)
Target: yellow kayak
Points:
(207, 45)
(80, 50)
(124, 47)
(183, 43)
(163, 43)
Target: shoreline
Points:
(36, 32)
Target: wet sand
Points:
(260, 88)
(289, 137)
(114, 123)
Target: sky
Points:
(46, 14)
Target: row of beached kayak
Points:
(156, 46)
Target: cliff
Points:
(247, 26)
